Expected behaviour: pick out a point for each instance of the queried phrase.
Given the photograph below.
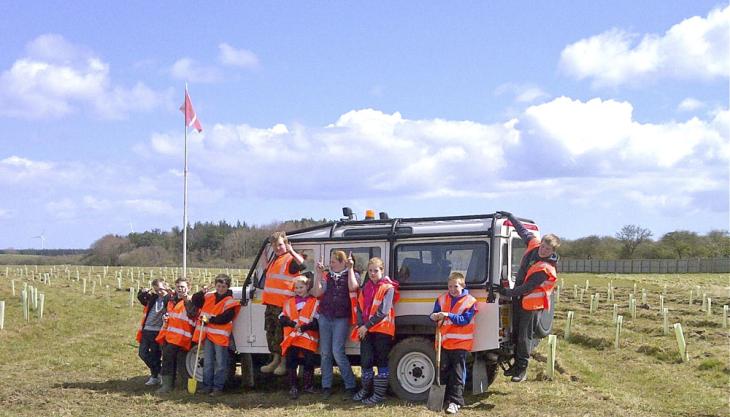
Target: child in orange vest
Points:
(301, 339)
(454, 311)
(375, 329)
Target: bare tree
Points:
(631, 236)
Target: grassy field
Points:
(81, 358)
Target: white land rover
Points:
(419, 253)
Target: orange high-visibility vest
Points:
(217, 333)
(161, 334)
(539, 298)
(385, 326)
(452, 336)
(279, 284)
(308, 339)
(353, 307)
(179, 327)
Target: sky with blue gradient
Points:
(584, 116)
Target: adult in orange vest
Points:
(217, 309)
(531, 294)
(336, 290)
(375, 329)
(301, 339)
(455, 310)
(176, 336)
(278, 287)
(154, 301)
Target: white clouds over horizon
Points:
(695, 48)
(584, 149)
(57, 78)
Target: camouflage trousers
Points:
(274, 332)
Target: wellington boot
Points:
(275, 361)
(167, 381)
(280, 369)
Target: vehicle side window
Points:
(518, 249)
(431, 263)
(361, 256)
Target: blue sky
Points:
(584, 116)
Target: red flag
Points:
(191, 119)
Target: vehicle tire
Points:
(544, 320)
(412, 368)
(190, 363)
(190, 366)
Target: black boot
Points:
(366, 390)
(380, 386)
(293, 383)
(309, 382)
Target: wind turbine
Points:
(42, 237)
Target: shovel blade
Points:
(192, 385)
(436, 397)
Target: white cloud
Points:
(690, 104)
(187, 69)
(57, 77)
(62, 209)
(149, 206)
(242, 58)
(373, 152)
(697, 47)
(523, 93)
(604, 135)
(5, 214)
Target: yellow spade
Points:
(192, 382)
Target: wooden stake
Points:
(83, 291)
(592, 307)
(12, 285)
(586, 285)
(552, 350)
(709, 306)
(615, 312)
(131, 296)
(2, 313)
(661, 303)
(724, 316)
(681, 342)
(665, 321)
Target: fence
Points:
(640, 266)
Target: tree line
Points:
(635, 242)
(235, 245)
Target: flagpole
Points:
(185, 192)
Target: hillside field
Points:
(81, 358)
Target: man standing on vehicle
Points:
(533, 287)
(278, 287)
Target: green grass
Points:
(81, 359)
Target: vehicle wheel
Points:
(544, 320)
(491, 372)
(412, 369)
(190, 363)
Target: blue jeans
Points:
(333, 335)
(215, 365)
